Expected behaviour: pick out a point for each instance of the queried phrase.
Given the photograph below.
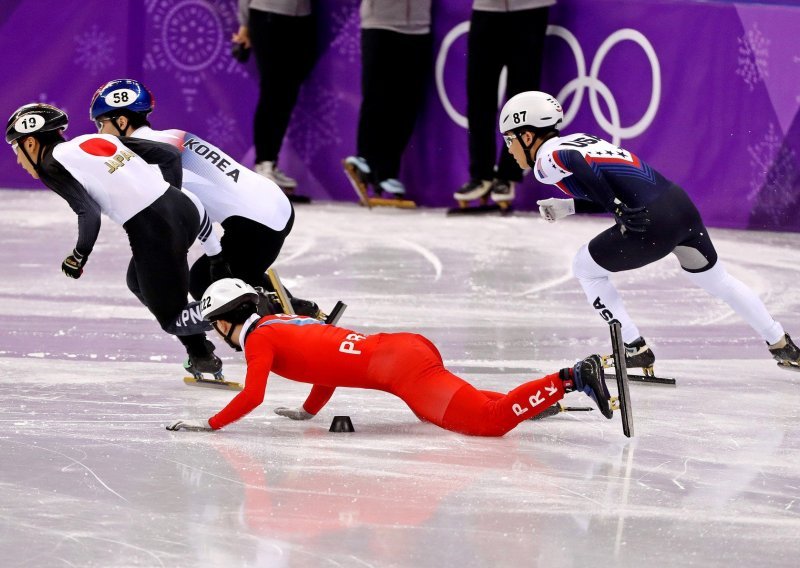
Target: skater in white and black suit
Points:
(654, 217)
(103, 174)
(254, 212)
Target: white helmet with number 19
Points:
(531, 109)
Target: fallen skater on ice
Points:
(407, 365)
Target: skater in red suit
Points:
(404, 364)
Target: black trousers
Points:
(285, 48)
(674, 222)
(499, 39)
(158, 274)
(248, 247)
(394, 72)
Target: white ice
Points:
(90, 477)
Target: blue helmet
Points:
(121, 94)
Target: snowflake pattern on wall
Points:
(222, 129)
(753, 57)
(94, 50)
(347, 29)
(309, 132)
(191, 41)
(775, 169)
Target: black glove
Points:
(634, 219)
(219, 267)
(73, 264)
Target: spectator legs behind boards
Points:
(495, 40)
(395, 68)
(285, 49)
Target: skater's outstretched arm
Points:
(317, 398)
(259, 362)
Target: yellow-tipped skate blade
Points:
(391, 202)
(213, 383)
(358, 184)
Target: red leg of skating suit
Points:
(438, 396)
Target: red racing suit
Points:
(406, 365)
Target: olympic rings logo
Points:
(611, 125)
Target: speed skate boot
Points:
(588, 377)
(786, 353)
(639, 354)
(360, 175)
(474, 189)
(393, 187)
(197, 364)
(307, 308)
(268, 302)
(502, 191)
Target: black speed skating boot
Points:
(639, 354)
(473, 189)
(785, 352)
(589, 378)
(307, 308)
(268, 302)
(502, 191)
(207, 362)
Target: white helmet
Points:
(533, 109)
(224, 296)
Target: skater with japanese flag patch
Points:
(98, 173)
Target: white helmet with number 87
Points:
(531, 109)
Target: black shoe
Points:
(590, 378)
(639, 354)
(307, 308)
(786, 353)
(502, 191)
(473, 189)
(268, 303)
(204, 363)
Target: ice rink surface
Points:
(89, 476)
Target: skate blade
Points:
(391, 202)
(359, 186)
(213, 383)
(558, 408)
(786, 365)
(648, 376)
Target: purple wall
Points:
(706, 92)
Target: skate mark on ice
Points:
(426, 254)
(681, 474)
(125, 544)
(75, 462)
(555, 282)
